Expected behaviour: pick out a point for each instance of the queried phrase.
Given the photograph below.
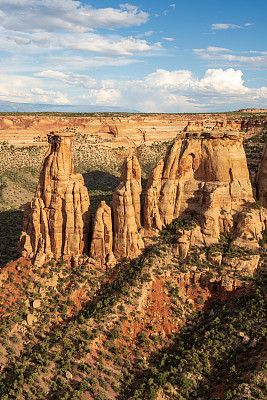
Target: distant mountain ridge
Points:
(9, 106)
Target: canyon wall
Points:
(125, 129)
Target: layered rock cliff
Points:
(207, 178)
(57, 221)
(120, 128)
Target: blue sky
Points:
(152, 56)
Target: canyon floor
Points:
(156, 327)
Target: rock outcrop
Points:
(126, 211)
(57, 221)
(261, 179)
(196, 127)
(207, 177)
(102, 238)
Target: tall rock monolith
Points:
(261, 179)
(57, 221)
(126, 209)
(102, 237)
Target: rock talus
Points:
(57, 222)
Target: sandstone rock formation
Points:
(204, 174)
(31, 130)
(195, 127)
(207, 177)
(126, 211)
(57, 221)
(261, 179)
(249, 225)
(102, 238)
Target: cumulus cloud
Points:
(169, 91)
(159, 91)
(49, 96)
(217, 81)
(29, 90)
(227, 57)
(65, 15)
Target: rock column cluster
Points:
(57, 221)
(203, 174)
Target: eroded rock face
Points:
(207, 177)
(126, 211)
(261, 179)
(102, 239)
(57, 221)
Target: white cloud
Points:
(29, 90)
(227, 57)
(110, 45)
(49, 96)
(68, 78)
(169, 91)
(65, 15)
(225, 26)
(148, 33)
(78, 62)
(210, 52)
(159, 91)
(87, 42)
(169, 39)
(20, 40)
(165, 12)
(229, 26)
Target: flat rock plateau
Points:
(133, 252)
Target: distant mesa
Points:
(9, 106)
(253, 110)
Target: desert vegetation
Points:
(159, 326)
(81, 332)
